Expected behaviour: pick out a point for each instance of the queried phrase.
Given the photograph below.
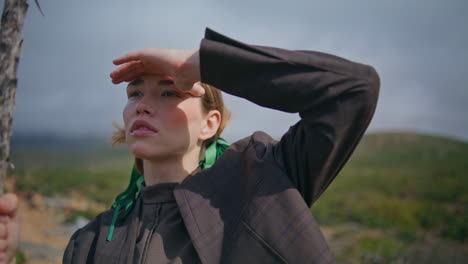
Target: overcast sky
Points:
(419, 48)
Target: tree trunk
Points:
(13, 15)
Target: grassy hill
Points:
(401, 198)
(407, 188)
(58, 166)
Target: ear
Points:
(211, 124)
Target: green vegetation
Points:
(401, 191)
(20, 257)
(411, 182)
(93, 169)
(409, 187)
(379, 247)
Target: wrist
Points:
(188, 72)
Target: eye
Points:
(170, 94)
(135, 94)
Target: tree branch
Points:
(14, 12)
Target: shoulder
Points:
(259, 141)
(83, 240)
(92, 228)
(254, 148)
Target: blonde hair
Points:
(211, 100)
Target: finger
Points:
(3, 231)
(120, 71)
(8, 204)
(131, 72)
(131, 56)
(3, 245)
(197, 90)
(127, 73)
(134, 74)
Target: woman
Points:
(252, 204)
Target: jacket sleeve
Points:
(335, 98)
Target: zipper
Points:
(150, 236)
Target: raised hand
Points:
(9, 228)
(182, 66)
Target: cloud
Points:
(419, 49)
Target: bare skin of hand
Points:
(9, 228)
(181, 66)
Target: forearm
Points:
(336, 99)
(292, 81)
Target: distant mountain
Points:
(407, 147)
(382, 141)
(55, 142)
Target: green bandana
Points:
(126, 200)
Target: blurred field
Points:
(406, 197)
(55, 166)
(402, 198)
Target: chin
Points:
(142, 155)
(147, 151)
(141, 151)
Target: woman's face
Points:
(160, 120)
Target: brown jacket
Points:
(252, 206)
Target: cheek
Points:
(126, 114)
(173, 119)
(194, 116)
(185, 117)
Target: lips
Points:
(141, 127)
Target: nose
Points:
(143, 107)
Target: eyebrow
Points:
(165, 82)
(135, 82)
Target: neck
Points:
(170, 169)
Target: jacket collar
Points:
(193, 199)
(208, 218)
